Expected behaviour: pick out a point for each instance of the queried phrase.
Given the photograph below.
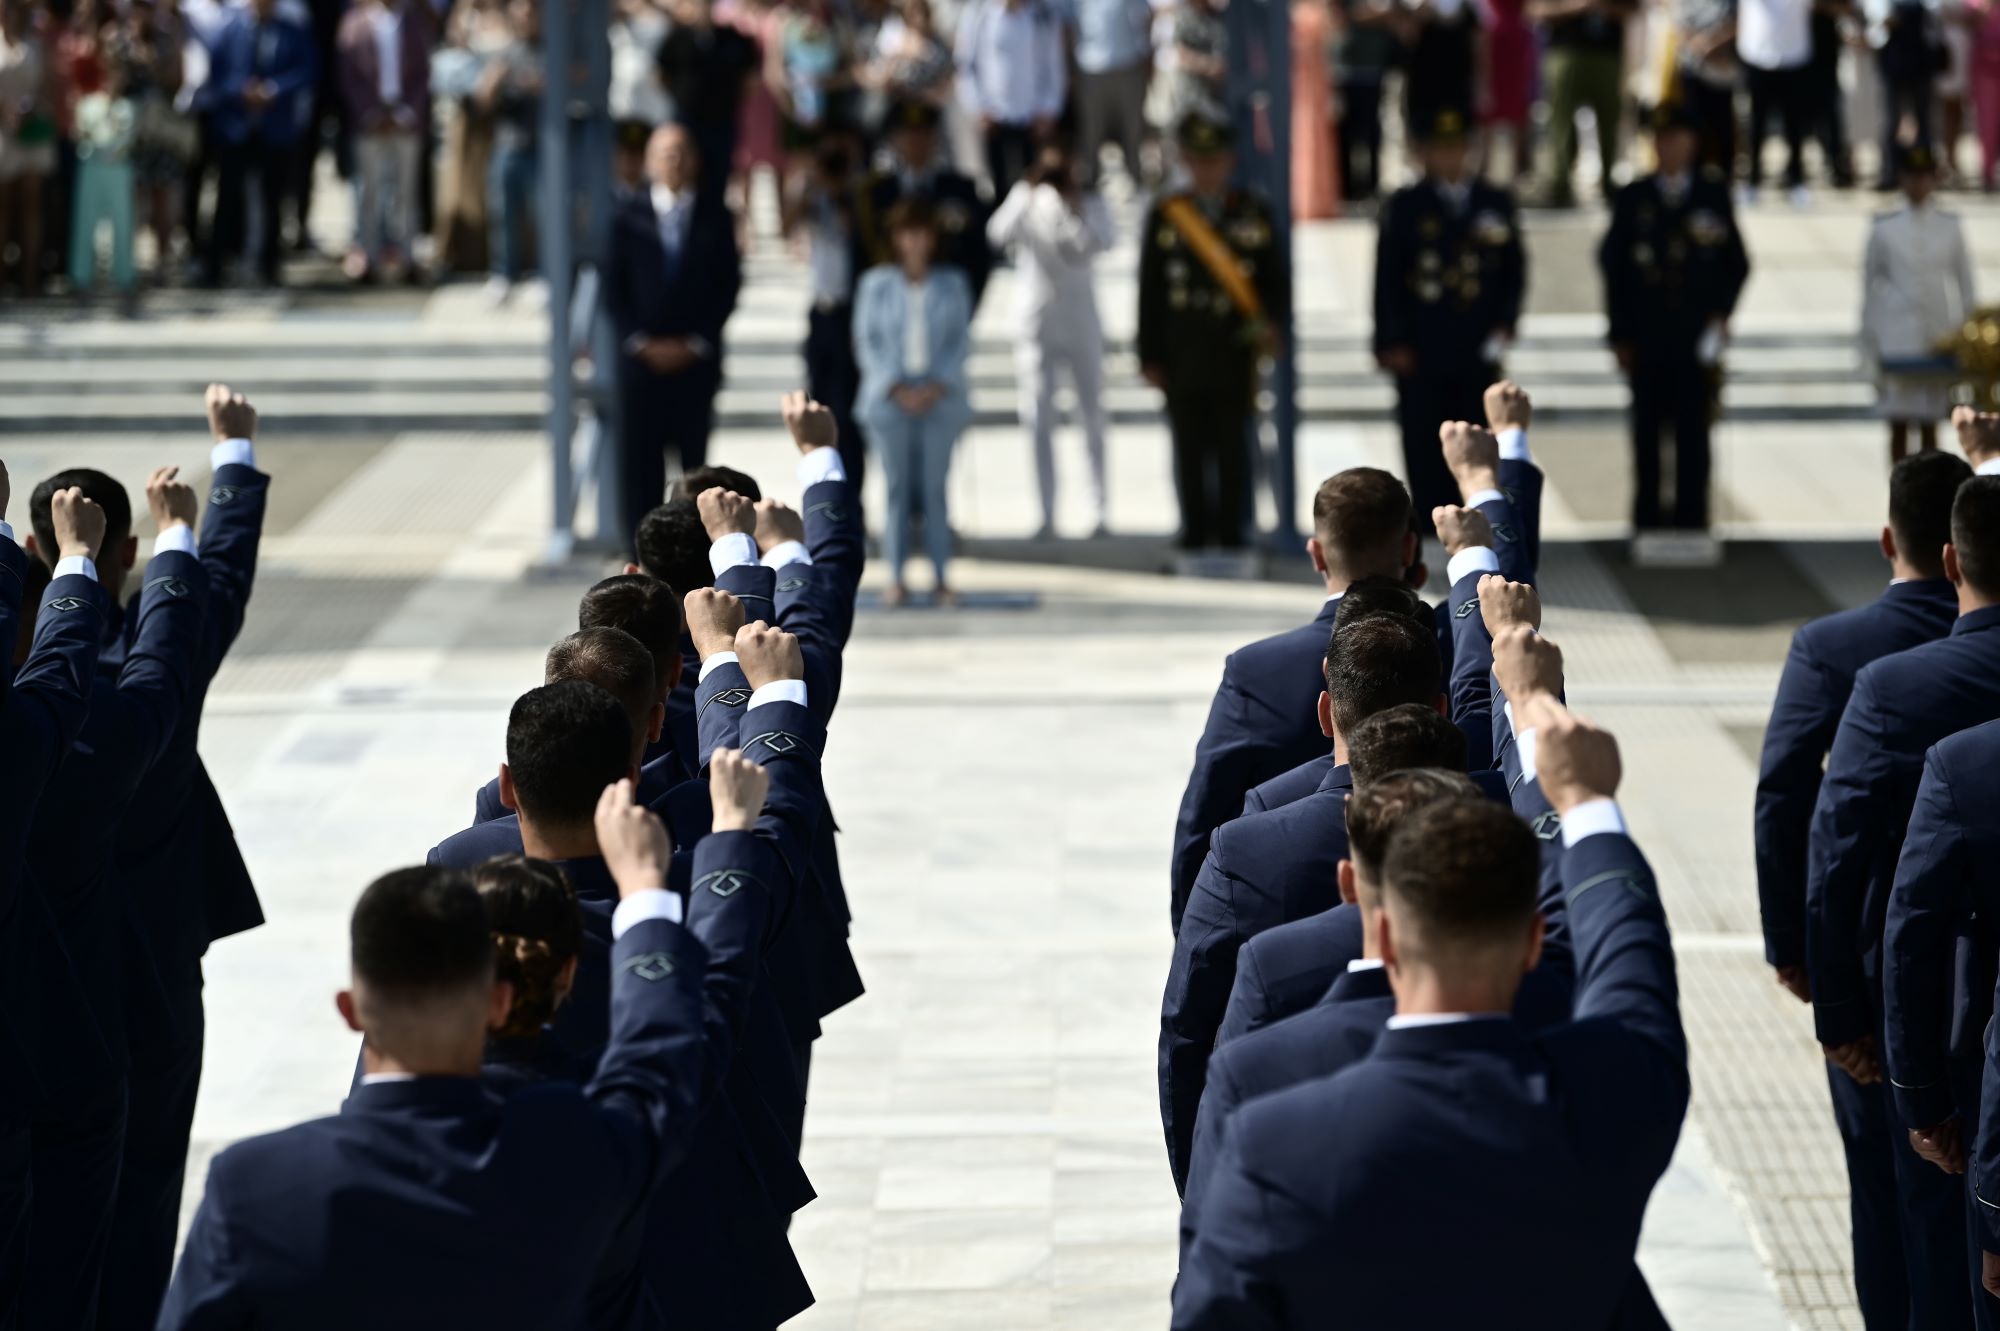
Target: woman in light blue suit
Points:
(912, 328)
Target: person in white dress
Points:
(1917, 288)
(1057, 228)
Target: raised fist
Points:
(1575, 761)
(811, 424)
(230, 415)
(1472, 455)
(1527, 666)
(736, 790)
(777, 523)
(1461, 528)
(1507, 407)
(1978, 433)
(1503, 604)
(713, 617)
(768, 655)
(170, 498)
(79, 523)
(725, 511)
(632, 840)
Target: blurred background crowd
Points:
(181, 141)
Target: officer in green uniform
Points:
(1213, 288)
(1449, 279)
(1674, 264)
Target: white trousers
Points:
(1037, 362)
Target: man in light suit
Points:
(670, 284)
(1315, 1190)
(427, 1203)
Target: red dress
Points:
(1510, 57)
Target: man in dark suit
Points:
(262, 71)
(670, 284)
(1900, 706)
(1266, 869)
(919, 170)
(1918, 606)
(190, 887)
(81, 951)
(426, 1202)
(1315, 1190)
(1450, 276)
(1938, 967)
(44, 700)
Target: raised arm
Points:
(234, 526)
(165, 657)
(1509, 413)
(721, 692)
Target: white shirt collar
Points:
(666, 201)
(383, 1078)
(1401, 1022)
(1990, 467)
(1364, 964)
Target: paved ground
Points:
(984, 1130)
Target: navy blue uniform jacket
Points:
(1819, 675)
(1901, 705)
(1316, 1190)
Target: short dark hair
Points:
(97, 487)
(1375, 663)
(1467, 870)
(419, 932)
(1374, 810)
(1407, 735)
(691, 484)
(614, 661)
(565, 743)
(1380, 595)
(644, 607)
(672, 545)
(911, 214)
(1975, 533)
(1360, 512)
(537, 930)
(1921, 488)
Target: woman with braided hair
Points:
(537, 929)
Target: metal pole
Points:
(557, 249)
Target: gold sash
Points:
(1187, 218)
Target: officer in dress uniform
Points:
(1673, 265)
(917, 171)
(1213, 287)
(1449, 279)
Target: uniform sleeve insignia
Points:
(1549, 826)
(221, 496)
(650, 966)
(731, 697)
(724, 882)
(791, 584)
(778, 741)
(1503, 532)
(173, 587)
(65, 604)
(1468, 610)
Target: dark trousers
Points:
(166, 1075)
(1904, 95)
(1010, 149)
(1211, 437)
(75, 1181)
(1865, 1118)
(833, 379)
(1670, 389)
(16, 1169)
(717, 142)
(1713, 106)
(1785, 94)
(1424, 401)
(1967, 1069)
(237, 163)
(1933, 1209)
(1360, 138)
(659, 412)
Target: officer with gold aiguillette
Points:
(1214, 288)
(1674, 264)
(1449, 279)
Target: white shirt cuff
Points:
(732, 550)
(822, 464)
(1513, 445)
(778, 690)
(175, 536)
(240, 451)
(1478, 497)
(1524, 745)
(83, 564)
(1591, 818)
(1990, 467)
(715, 662)
(788, 552)
(655, 904)
(7, 530)
(1477, 559)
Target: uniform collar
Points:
(1330, 611)
(1977, 621)
(1929, 589)
(436, 1095)
(1497, 1034)
(1355, 986)
(1340, 778)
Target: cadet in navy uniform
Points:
(1901, 705)
(1215, 294)
(1450, 275)
(1938, 968)
(1315, 1190)
(190, 887)
(1918, 606)
(917, 170)
(428, 1203)
(43, 706)
(1674, 264)
(1268, 868)
(80, 952)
